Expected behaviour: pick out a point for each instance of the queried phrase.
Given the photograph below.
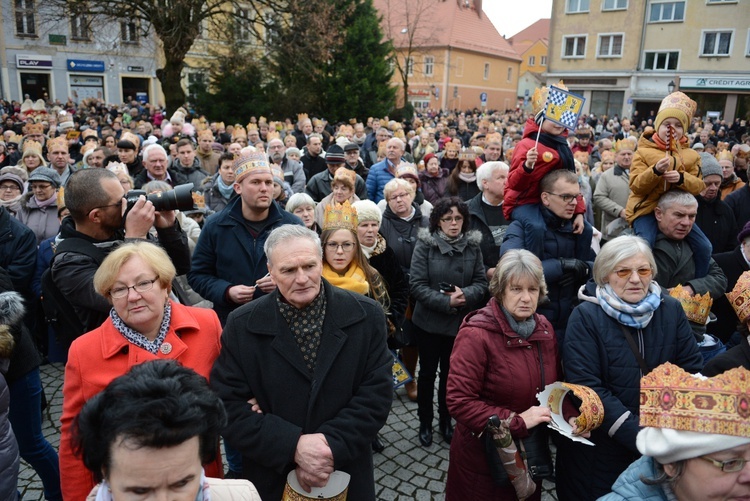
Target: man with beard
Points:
(294, 173)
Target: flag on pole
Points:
(563, 108)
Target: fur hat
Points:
(345, 176)
(710, 166)
(367, 210)
(676, 105)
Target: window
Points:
(25, 24)
(129, 32)
(510, 73)
(607, 102)
(721, 1)
(614, 4)
(610, 46)
(574, 6)
(532, 60)
(716, 43)
(269, 22)
(747, 45)
(429, 66)
(667, 12)
(486, 71)
(79, 26)
(243, 20)
(410, 66)
(661, 60)
(543, 61)
(459, 66)
(574, 46)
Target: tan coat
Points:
(732, 187)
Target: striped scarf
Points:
(636, 315)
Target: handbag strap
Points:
(635, 350)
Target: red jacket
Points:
(493, 371)
(522, 186)
(99, 356)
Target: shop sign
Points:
(716, 82)
(85, 65)
(34, 61)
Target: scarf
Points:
(560, 145)
(467, 178)
(226, 191)
(104, 493)
(727, 181)
(43, 204)
(353, 280)
(524, 328)
(376, 249)
(13, 204)
(449, 239)
(636, 315)
(662, 145)
(139, 339)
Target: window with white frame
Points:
(666, 12)
(666, 60)
(721, 1)
(79, 25)
(614, 4)
(429, 66)
(574, 46)
(532, 60)
(128, 31)
(543, 61)
(747, 45)
(242, 23)
(610, 45)
(25, 22)
(716, 43)
(486, 71)
(510, 73)
(410, 66)
(575, 6)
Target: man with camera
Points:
(97, 224)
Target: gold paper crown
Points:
(467, 154)
(34, 147)
(200, 125)
(262, 120)
(607, 155)
(725, 155)
(88, 147)
(36, 128)
(739, 298)
(60, 197)
(407, 169)
(89, 133)
(272, 134)
(252, 163)
(220, 125)
(675, 399)
(495, 137)
(58, 142)
(129, 136)
(451, 146)
(239, 131)
(252, 126)
(206, 134)
(696, 307)
(117, 167)
(301, 116)
(15, 138)
(340, 217)
(539, 98)
(679, 101)
(624, 144)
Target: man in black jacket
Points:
(486, 211)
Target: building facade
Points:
(625, 55)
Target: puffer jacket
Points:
(630, 487)
(434, 261)
(42, 220)
(595, 353)
(401, 235)
(11, 314)
(646, 186)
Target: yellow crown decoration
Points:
(220, 125)
(255, 162)
(206, 134)
(32, 147)
(252, 126)
(451, 146)
(495, 137)
(539, 98)
(739, 298)
(15, 138)
(696, 307)
(239, 131)
(301, 116)
(132, 138)
(35, 128)
(272, 134)
(679, 101)
(262, 120)
(725, 155)
(61, 197)
(467, 154)
(199, 200)
(340, 217)
(675, 399)
(58, 142)
(624, 144)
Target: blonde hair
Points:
(395, 184)
(153, 255)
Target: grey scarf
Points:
(524, 328)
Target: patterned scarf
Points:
(636, 315)
(139, 339)
(376, 249)
(104, 493)
(353, 280)
(306, 325)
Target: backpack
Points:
(58, 311)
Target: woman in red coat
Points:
(504, 355)
(144, 324)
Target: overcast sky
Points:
(511, 17)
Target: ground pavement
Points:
(404, 471)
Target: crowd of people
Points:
(494, 252)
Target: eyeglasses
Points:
(140, 288)
(346, 246)
(627, 272)
(729, 466)
(397, 197)
(9, 187)
(457, 219)
(40, 186)
(566, 198)
(118, 204)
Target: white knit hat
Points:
(367, 210)
(668, 446)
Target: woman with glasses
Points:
(12, 186)
(144, 324)
(447, 282)
(38, 208)
(625, 326)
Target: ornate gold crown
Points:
(61, 197)
(725, 155)
(340, 217)
(539, 98)
(252, 126)
(739, 298)
(467, 154)
(129, 136)
(679, 101)
(675, 399)
(32, 147)
(696, 307)
(252, 163)
(407, 169)
(239, 131)
(36, 128)
(58, 142)
(625, 144)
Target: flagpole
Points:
(536, 143)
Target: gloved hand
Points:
(579, 269)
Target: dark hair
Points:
(226, 156)
(156, 404)
(84, 191)
(549, 180)
(443, 207)
(184, 142)
(453, 179)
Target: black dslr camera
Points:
(180, 198)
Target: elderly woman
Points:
(447, 281)
(489, 352)
(343, 185)
(303, 206)
(682, 460)
(38, 208)
(12, 187)
(132, 444)
(144, 324)
(409, 173)
(434, 179)
(623, 328)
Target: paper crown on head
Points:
(451, 146)
(624, 144)
(539, 98)
(131, 138)
(739, 297)
(340, 217)
(697, 307)
(301, 116)
(495, 137)
(407, 169)
(206, 134)
(725, 156)
(272, 134)
(255, 162)
(252, 126)
(36, 128)
(346, 176)
(89, 133)
(467, 154)
(607, 155)
(117, 167)
(32, 147)
(58, 142)
(15, 138)
(676, 105)
(61, 197)
(239, 131)
(675, 399)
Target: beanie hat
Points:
(668, 446)
(335, 155)
(710, 166)
(47, 175)
(676, 105)
(744, 233)
(367, 210)
(10, 176)
(428, 157)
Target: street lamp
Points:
(671, 86)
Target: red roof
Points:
(530, 35)
(459, 24)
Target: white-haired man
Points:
(486, 210)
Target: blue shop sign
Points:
(85, 65)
